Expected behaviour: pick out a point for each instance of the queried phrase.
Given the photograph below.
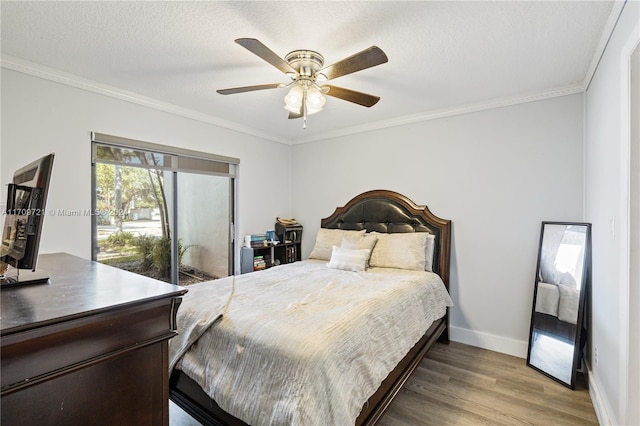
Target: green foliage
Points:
(120, 239)
(144, 246)
(117, 261)
(155, 252)
(161, 255)
(137, 187)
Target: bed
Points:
(203, 383)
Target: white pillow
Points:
(366, 241)
(401, 251)
(327, 238)
(349, 259)
(431, 242)
(569, 303)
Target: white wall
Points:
(496, 174)
(607, 207)
(40, 116)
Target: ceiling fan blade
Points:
(362, 60)
(359, 98)
(247, 89)
(294, 115)
(257, 48)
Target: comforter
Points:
(302, 344)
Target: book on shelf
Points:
(257, 240)
(291, 254)
(259, 263)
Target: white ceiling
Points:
(444, 57)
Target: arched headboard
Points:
(390, 212)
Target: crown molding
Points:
(26, 67)
(607, 32)
(448, 112)
(41, 71)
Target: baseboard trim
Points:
(489, 341)
(599, 404)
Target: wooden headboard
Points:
(391, 212)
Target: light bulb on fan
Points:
(293, 100)
(315, 100)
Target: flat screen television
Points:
(24, 219)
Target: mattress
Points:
(302, 344)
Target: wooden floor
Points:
(458, 384)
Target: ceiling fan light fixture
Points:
(293, 100)
(315, 100)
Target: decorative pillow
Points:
(547, 298)
(402, 251)
(349, 259)
(366, 241)
(569, 303)
(431, 242)
(327, 238)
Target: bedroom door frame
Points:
(632, 281)
(630, 235)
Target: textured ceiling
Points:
(443, 56)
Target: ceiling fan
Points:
(305, 68)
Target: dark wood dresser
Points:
(89, 347)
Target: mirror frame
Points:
(581, 332)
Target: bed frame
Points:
(380, 211)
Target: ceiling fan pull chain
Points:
(304, 108)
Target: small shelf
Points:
(272, 255)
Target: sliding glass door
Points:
(161, 211)
(204, 219)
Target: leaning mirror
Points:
(562, 275)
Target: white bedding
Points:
(547, 299)
(302, 344)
